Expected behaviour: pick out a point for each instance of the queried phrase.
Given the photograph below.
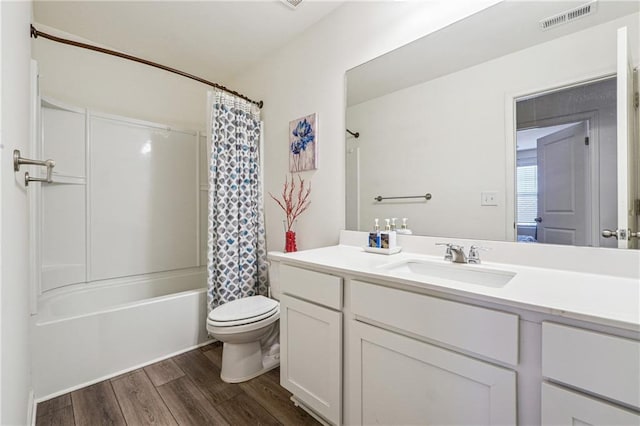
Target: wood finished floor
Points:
(183, 390)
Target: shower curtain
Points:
(237, 262)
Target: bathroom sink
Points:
(470, 274)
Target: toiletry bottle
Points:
(384, 235)
(393, 240)
(403, 228)
(393, 223)
(388, 237)
(374, 237)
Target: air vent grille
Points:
(292, 3)
(569, 15)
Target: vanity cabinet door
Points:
(311, 355)
(394, 379)
(564, 407)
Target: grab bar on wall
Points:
(18, 160)
(426, 196)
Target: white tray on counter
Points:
(394, 250)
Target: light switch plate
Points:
(489, 198)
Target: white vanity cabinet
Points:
(360, 346)
(603, 370)
(396, 379)
(311, 340)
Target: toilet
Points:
(249, 329)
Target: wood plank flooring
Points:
(183, 390)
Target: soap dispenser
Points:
(403, 228)
(388, 237)
(374, 237)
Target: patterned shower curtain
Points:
(237, 263)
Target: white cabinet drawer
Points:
(596, 362)
(323, 289)
(565, 407)
(483, 331)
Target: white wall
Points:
(117, 86)
(15, 370)
(308, 75)
(447, 136)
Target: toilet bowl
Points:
(248, 328)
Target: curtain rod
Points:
(36, 33)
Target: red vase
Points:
(290, 242)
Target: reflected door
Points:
(627, 161)
(563, 183)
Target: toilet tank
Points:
(274, 279)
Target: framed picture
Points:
(303, 143)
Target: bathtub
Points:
(85, 334)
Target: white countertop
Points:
(602, 299)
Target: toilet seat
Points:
(243, 311)
(222, 330)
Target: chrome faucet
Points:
(474, 254)
(447, 254)
(458, 254)
(455, 253)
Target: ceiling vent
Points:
(569, 15)
(292, 3)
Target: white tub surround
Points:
(85, 335)
(495, 349)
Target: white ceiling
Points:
(212, 39)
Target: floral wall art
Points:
(303, 143)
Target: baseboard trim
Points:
(119, 373)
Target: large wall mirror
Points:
(518, 120)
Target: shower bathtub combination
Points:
(119, 262)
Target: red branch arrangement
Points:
(295, 200)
